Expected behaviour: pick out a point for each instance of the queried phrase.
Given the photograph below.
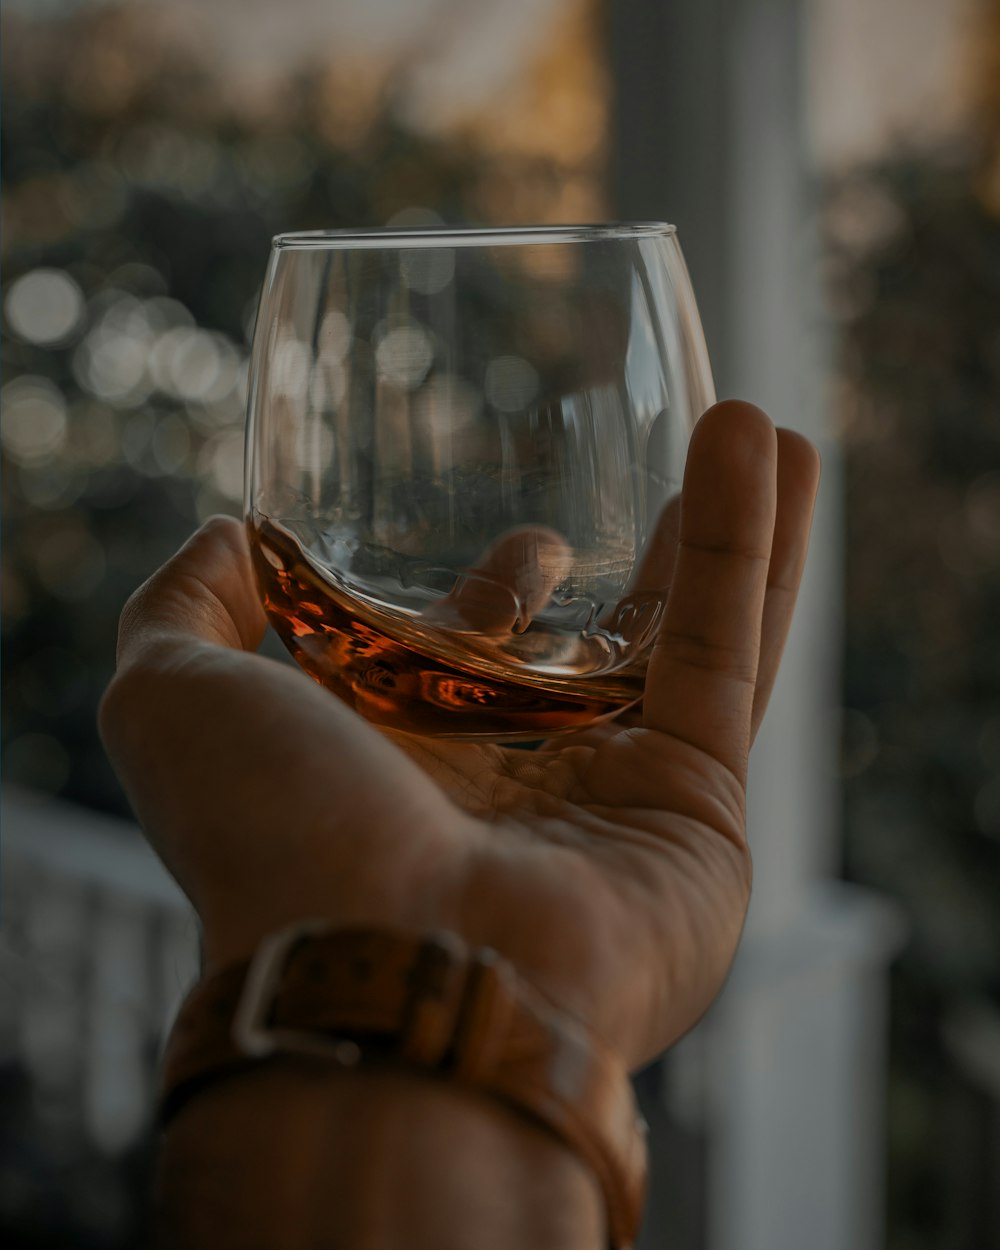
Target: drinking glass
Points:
(464, 458)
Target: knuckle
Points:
(730, 551)
(221, 525)
(701, 651)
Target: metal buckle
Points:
(251, 1032)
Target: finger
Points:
(634, 617)
(656, 568)
(703, 670)
(205, 592)
(798, 476)
(798, 482)
(509, 584)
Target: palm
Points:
(586, 889)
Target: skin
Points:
(612, 869)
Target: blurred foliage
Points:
(920, 406)
(148, 195)
(915, 259)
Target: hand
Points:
(612, 868)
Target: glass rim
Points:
(470, 236)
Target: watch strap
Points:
(431, 1002)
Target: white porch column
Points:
(786, 1075)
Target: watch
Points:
(428, 1002)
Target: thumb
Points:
(204, 593)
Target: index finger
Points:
(702, 675)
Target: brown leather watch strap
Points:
(354, 995)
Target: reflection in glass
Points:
(463, 523)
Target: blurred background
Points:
(834, 170)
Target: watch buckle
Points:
(252, 1032)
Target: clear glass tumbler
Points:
(464, 458)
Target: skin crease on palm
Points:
(612, 867)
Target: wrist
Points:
(432, 1007)
(297, 1150)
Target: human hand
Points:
(612, 869)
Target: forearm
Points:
(305, 1157)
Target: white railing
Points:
(98, 947)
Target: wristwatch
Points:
(428, 1002)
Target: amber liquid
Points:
(401, 675)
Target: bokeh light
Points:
(404, 354)
(334, 336)
(44, 306)
(289, 369)
(222, 458)
(428, 270)
(511, 383)
(34, 420)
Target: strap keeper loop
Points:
(484, 1024)
(436, 984)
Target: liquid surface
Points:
(399, 672)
